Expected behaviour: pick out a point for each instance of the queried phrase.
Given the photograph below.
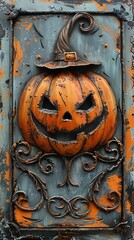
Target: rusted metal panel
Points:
(19, 72)
(5, 99)
(33, 42)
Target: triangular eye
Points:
(46, 104)
(87, 104)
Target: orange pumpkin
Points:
(67, 112)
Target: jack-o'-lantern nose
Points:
(67, 116)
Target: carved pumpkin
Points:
(67, 112)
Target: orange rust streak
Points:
(109, 30)
(8, 94)
(129, 138)
(128, 207)
(3, 115)
(40, 226)
(21, 24)
(29, 27)
(92, 216)
(18, 57)
(105, 202)
(22, 217)
(114, 183)
(11, 2)
(1, 126)
(130, 73)
(100, 7)
(2, 73)
(7, 172)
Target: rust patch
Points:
(7, 172)
(3, 115)
(92, 216)
(18, 57)
(100, 7)
(2, 73)
(1, 126)
(114, 183)
(11, 2)
(22, 23)
(23, 217)
(29, 26)
(40, 226)
(109, 30)
(130, 72)
(128, 207)
(8, 94)
(106, 202)
(129, 138)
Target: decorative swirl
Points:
(62, 207)
(24, 152)
(19, 197)
(94, 185)
(116, 151)
(63, 39)
(49, 165)
(87, 165)
(113, 197)
(79, 212)
(68, 207)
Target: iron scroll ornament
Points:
(51, 119)
(64, 206)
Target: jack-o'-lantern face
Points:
(67, 112)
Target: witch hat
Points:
(64, 56)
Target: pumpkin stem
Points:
(63, 47)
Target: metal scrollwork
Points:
(59, 206)
(94, 186)
(65, 207)
(19, 197)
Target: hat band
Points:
(67, 57)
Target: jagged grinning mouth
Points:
(65, 136)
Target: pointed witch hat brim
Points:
(64, 56)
